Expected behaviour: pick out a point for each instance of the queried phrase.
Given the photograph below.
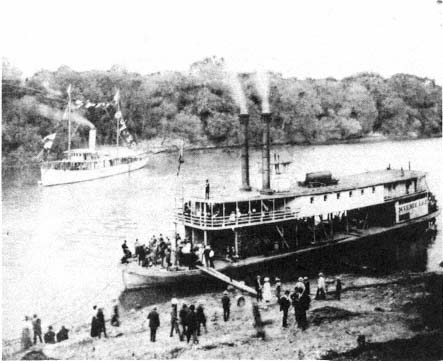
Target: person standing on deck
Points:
(226, 303)
(258, 288)
(37, 328)
(321, 287)
(211, 257)
(174, 319)
(338, 287)
(277, 288)
(154, 322)
(207, 189)
(307, 285)
(267, 295)
(206, 255)
(183, 315)
(284, 307)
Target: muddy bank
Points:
(384, 311)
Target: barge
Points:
(253, 227)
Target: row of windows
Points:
(325, 197)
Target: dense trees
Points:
(200, 108)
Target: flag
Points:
(117, 96)
(181, 158)
(48, 140)
(68, 90)
(118, 115)
(65, 114)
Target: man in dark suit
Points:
(154, 322)
(226, 303)
(284, 307)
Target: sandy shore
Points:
(383, 310)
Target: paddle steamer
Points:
(259, 226)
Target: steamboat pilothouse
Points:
(250, 227)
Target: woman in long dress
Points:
(26, 334)
(267, 295)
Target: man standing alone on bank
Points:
(154, 322)
(284, 307)
(37, 328)
(207, 188)
(226, 303)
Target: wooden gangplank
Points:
(226, 279)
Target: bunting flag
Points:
(48, 141)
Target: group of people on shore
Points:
(35, 325)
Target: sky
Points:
(301, 38)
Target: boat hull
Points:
(134, 279)
(52, 177)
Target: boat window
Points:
(362, 191)
(325, 197)
(312, 199)
(373, 189)
(338, 195)
(393, 186)
(350, 193)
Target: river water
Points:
(61, 245)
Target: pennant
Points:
(181, 158)
(65, 114)
(68, 90)
(48, 141)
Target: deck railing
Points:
(208, 221)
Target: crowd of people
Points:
(158, 252)
(32, 333)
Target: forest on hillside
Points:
(200, 107)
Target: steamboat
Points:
(276, 223)
(85, 164)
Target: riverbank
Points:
(385, 310)
(157, 145)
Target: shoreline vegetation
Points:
(201, 107)
(394, 317)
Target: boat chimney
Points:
(92, 136)
(244, 120)
(266, 155)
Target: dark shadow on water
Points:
(402, 251)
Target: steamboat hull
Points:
(52, 177)
(134, 279)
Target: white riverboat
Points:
(85, 164)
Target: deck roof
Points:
(346, 183)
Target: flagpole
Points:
(69, 121)
(117, 96)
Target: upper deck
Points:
(238, 208)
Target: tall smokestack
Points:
(266, 155)
(92, 136)
(244, 120)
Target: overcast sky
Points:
(315, 38)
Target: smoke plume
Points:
(263, 84)
(237, 91)
(46, 111)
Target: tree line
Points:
(198, 106)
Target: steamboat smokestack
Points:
(244, 120)
(92, 136)
(266, 155)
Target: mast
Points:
(118, 116)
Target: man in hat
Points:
(226, 303)
(207, 188)
(101, 323)
(174, 319)
(182, 316)
(37, 328)
(154, 322)
(62, 334)
(284, 307)
(321, 287)
(201, 318)
(192, 325)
